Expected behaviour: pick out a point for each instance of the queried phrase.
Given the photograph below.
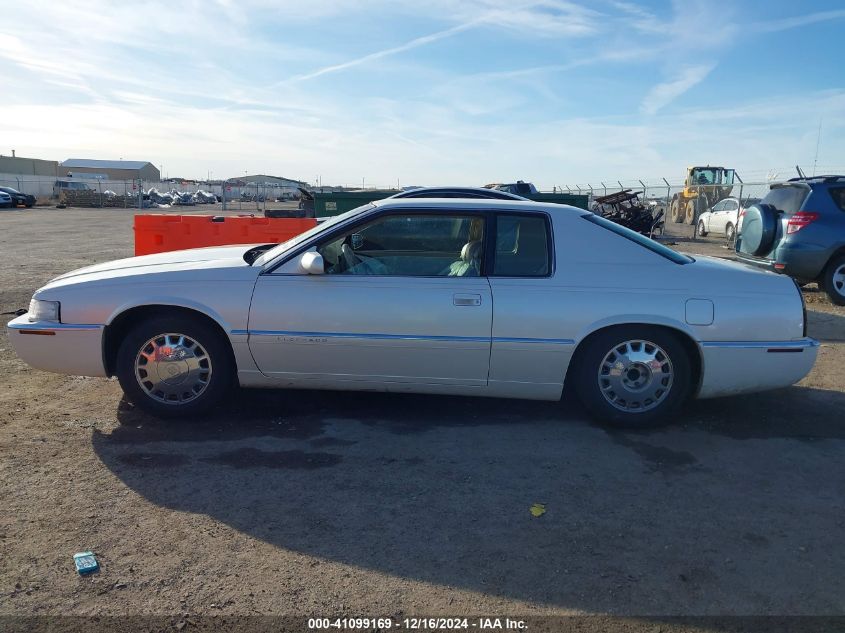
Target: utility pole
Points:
(818, 139)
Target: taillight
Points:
(800, 220)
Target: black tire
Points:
(730, 232)
(211, 348)
(591, 359)
(834, 280)
(701, 230)
(675, 211)
(689, 212)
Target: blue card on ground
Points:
(86, 562)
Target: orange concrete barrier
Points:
(158, 232)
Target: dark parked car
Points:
(19, 198)
(519, 188)
(799, 229)
(457, 192)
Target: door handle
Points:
(466, 300)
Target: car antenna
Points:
(800, 173)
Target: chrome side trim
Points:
(404, 337)
(397, 337)
(805, 343)
(547, 341)
(54, 326)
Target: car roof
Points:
(474, 204)
(817, 180)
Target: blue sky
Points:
(440, 92)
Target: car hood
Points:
(195, 259)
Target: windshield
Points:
(302, 237)
(9, 190)
(703, 176)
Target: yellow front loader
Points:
(703, 187)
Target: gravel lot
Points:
(316, 504)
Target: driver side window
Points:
(415, 245)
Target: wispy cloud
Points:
(549, 17)
(664, 93)
(554, 90)
(641, 19)
(797, 21)
(407, 46)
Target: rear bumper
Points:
(799, 260)
(734, 367)
(62, 348)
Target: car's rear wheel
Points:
(701, 229)
(730, 233)
(633, 376)
(834, 280)
(174, 366)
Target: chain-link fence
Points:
(708, 204)
(93, 192)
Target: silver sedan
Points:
(444, 296)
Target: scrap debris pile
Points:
(625, 208)
(174, 197)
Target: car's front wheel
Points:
(702, 231)
(633, 376)
(834, 280)
(174, 366)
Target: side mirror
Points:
(312, 263)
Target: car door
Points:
(729, 215)
(530, 348)
(401, 302)
(713, 218)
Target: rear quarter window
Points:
(838, 195)
(641, 240)
(788, 199)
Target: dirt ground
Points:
(316, 504)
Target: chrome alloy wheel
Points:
(839, 280)
(635, 376)
(172, 368)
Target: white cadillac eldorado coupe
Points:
(473, 297)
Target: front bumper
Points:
(734, 367)
(63, 348)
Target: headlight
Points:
(43, 310)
